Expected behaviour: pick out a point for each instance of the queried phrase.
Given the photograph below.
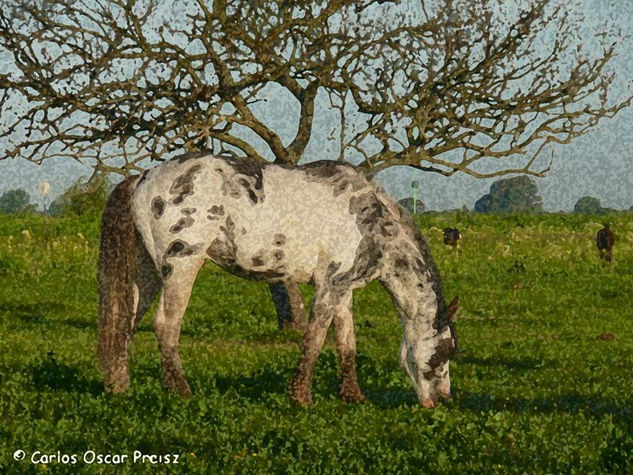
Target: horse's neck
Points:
(413, 286)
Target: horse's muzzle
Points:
(428, 403)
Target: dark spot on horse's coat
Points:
(246, 178)
(321, 169)
(166, 270)
(229, 229)
(175, 247)
(389, 229)
(188, 211)
(215, 209)
(181, 224)
(158, 207)
(401, 264)
(252, 196)
(278, 255)
(222, 253)
(279, 239)
(371, 214)
(332, 268)
(179, 248)
(340, 176)
(243, 230)
(182, 186)
(249, 168)
(443, 352)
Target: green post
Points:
(415, 184)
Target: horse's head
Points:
(426, 359)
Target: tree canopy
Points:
(511, 195)
(438, 86)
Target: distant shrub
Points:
(16, 201)
(407, 203)
(82, 199)
(588, 205)
(511, 195)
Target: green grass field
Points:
(544, 383)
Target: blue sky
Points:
(599, 164)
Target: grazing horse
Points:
(604, 241)
(452, 236)
(322, 223)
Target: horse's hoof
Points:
(356, 399)
(116, 387)
(184, 392)
(302, 402)
(178, 387)
(301, 398)
(353, 396)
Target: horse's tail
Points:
(117, 273)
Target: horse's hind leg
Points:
(147, 284)
(168, 320)
(349, 390)
(323, 310)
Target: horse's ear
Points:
(452, 307)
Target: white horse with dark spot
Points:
(322, 223)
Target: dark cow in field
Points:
(604, 241)
(452, 236)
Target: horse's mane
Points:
(403, 217)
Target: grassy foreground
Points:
(544, 383)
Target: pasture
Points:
(543, 384)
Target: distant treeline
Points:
(517, 195)
(79, 199)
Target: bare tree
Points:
(442, 86)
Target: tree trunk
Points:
(290, 307)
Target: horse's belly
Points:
(294, 249)
(276, 257)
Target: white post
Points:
(45, 188)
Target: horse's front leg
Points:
(349, 389)
(321, 316)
